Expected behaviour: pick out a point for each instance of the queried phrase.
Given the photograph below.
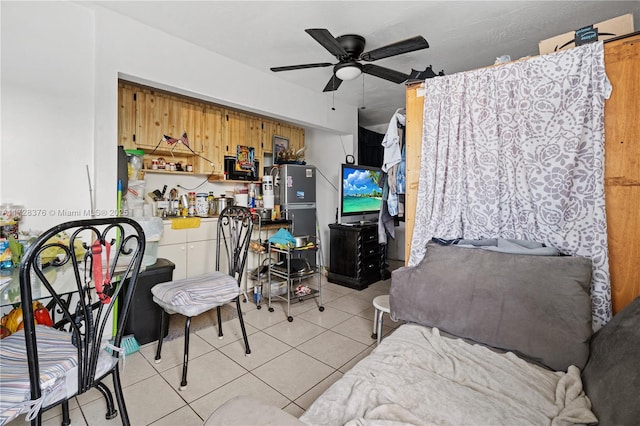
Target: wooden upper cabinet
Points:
(158, 115)
(242, 129)
(192, 120)
(294, 134)
(126, 117)
(254, 136)
(236, 131)
(213, 143)
(146, 115)
(269, 130)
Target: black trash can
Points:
(144, 314)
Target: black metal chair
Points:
(82, 270)
(195, 295)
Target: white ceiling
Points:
(462, 35)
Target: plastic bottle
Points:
(211, 202)
(257, 293)
(192, 204)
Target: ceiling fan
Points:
(348, 49)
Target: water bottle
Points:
(257, 293)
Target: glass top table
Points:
(62, 278)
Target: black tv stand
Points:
(356, 259)
(359, 223)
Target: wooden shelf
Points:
(172, 172)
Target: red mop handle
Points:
(100, 281)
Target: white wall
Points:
(47, 109)
(395, 246)
(60, 66)
(327, 153)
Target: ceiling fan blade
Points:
(398, 48)
(385, 73)
(333, 84)
(327, 41)
(300, 67)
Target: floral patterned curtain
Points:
(517, 151)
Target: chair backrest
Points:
(235, 225)
(80, 270)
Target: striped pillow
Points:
(58, 360)
(58, 363)
(195, 295)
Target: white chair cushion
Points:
(193, 296)
(58, 370)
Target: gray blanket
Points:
(504, 245)
(418, 377)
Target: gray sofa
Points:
(530, 311)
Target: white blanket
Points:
(418, 377)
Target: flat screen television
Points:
(360, 192)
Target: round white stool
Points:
(381, 304)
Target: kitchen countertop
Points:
(264, 223)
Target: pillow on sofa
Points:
(611, 377)
(536, 306)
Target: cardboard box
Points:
(601, 31)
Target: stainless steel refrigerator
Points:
(296, 194)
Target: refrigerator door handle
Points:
(299, 206)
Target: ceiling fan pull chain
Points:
(363, 107)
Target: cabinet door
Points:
(236, 131)
(201, 257)
(126, 116)
(294, 134)
(158, 115)
(177, 253)
(172, 236)
(207, 230)
(212, 143)
(173, 246)
(191, 122)
(254, 136)
(269, 130)
(296, 139)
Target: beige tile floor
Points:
(290, 365)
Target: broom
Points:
(128, 342)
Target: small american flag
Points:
(184, 140)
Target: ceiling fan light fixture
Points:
(348, 70)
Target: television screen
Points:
(361, 191)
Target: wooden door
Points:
(236, 131)
(413, 151)
(158, 114)
(622, 169)
(212, 143)
(126, 116)
(296, 141)
(254, 136)
(294, 134)
(191, 121)
(269, 130)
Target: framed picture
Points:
(280, 146)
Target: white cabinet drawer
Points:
(206, 231)
(172, 236)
